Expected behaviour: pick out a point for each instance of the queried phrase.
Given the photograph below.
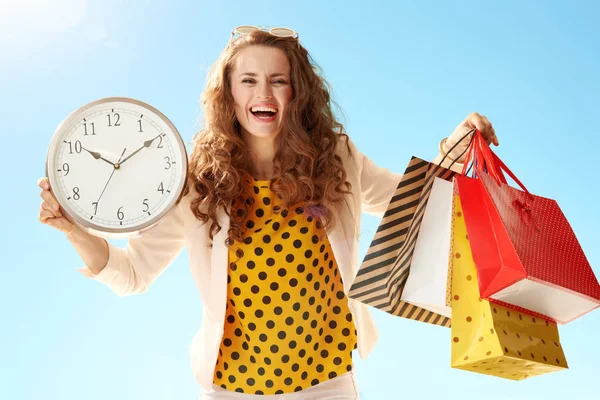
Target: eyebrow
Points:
(253, 74)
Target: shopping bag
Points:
(493, 339)
(382, 275)
(426, 285)
(525, 251)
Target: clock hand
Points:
(147, 143)
(110, 177)
(97, 155)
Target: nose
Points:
(264, 91)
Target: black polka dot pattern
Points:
(287, 325)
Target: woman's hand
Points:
(50, 211)
(473, 121)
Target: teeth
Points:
(255, 109)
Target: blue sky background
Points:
(405, 74)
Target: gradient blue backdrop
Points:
(405, 74)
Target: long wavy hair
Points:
(307, 168)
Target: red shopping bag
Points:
(525, 251)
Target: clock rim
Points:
(97, 230)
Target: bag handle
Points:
(483, 150)
(475, 157)
(478, 150)
(454, 146)
(493, 161)
(470, 153)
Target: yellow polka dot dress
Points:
(288, 325)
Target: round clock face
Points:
(116, 166)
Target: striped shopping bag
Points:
(386, 266)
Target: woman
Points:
(270, 216)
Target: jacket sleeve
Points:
(131, 270)
(377, 184)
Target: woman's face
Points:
(261, 89)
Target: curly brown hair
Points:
(307, 168)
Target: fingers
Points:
(49, 202)
(495, 138)
(477, 121)
(50, 213)
(483, 125)
(489, 134)
(48, 207)
(47, 196)
(45, 215)
(62, 224)
(43, 183)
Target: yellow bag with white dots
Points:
(492, 339)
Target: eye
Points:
(248, 80)
(280, 82)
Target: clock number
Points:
(161, 189)
(140, 122)
(86, 130)
(117, 117)
(76, 193)
(120, 214)
(65, 169)
(160, 146)
(168, 166)
(77, 147)
(95, 205)
(146, 204)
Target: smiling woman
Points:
(262, 90)
(271, 215)
(268, 113)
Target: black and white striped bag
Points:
(386, 266)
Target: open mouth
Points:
(264, 113)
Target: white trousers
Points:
(342, 387)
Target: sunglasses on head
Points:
(243, 30)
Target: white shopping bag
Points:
(428, 276)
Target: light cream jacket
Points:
(132, 269)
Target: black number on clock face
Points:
(145, 203)
(86, 129)
(95, 205)
(76, 193)
(160, 188)
(77, 147)
(117, 117)
(65, 169)
(168, 160)
(159, 146)
(120, 214)
(140, 122)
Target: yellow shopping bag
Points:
(492, 339)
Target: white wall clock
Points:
(116, 166)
